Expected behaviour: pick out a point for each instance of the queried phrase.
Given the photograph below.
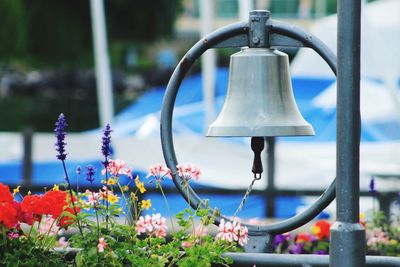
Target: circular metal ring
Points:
(174, 83)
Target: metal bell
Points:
(259, 99)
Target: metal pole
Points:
(27, 135)
(347, 235)
(208, 62)
(270, 191)
(102, 64)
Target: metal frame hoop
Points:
(236, 35)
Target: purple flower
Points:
(106, 140)
(90, 171)
(280, 239)
(296, 248)
(372, 185)
(321, 252)
(60, 133)
(78, 170)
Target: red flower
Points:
(303, 238)
(22, 215)
(321, 229)
(68, 220)
(33, 204)
(8, 214)
(55, 201)
(5, 195)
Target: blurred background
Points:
(48, 66)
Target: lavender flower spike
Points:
(90, 171)
(372, 189)
(60, 133)
(106, 140)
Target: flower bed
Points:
(111, 229)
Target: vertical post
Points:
(27, 157)
(208, 62)
(270, 190)
(102, 64)
(347, 234)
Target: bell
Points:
(259, 99)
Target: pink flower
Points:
(187, 244)
(243, 235)
(232, 231)
(102, 244)
(48, 226)
(159, 172)
(12, 235)
(93, 198)
(377, 236)
(117, 167)
(154, 225)
(188, 172)
(160, 227)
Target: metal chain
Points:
(249, 189)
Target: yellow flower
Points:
(134, 197)
(111, 181)
(140, 185)
(146, 204)
(112, 198)
(56, 188)
(393, 242)
(137, 180)
(16, 190)
(125, 188)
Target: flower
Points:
(232, 231)
(111, 181)
(281, 238)
(93, 198)
(106, 140)
(187, 244)
(117, 167)
(5, 195)
(55, 188)
(296, 248)
(304, 238)
(158, 172)
(12, 235)
(90, 172)
(154, 225)
(112, 198)
(48, 226)
(188, 172)
(321, 229)
(372, 185)
(60, 134)
(16, 190)
(78, 170)
(102, 244)
(140, 185)
(146, 204)
(8, 215)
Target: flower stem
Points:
(72, 197)
(167, 205)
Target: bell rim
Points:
(284, 131)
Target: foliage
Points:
(58, 33)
